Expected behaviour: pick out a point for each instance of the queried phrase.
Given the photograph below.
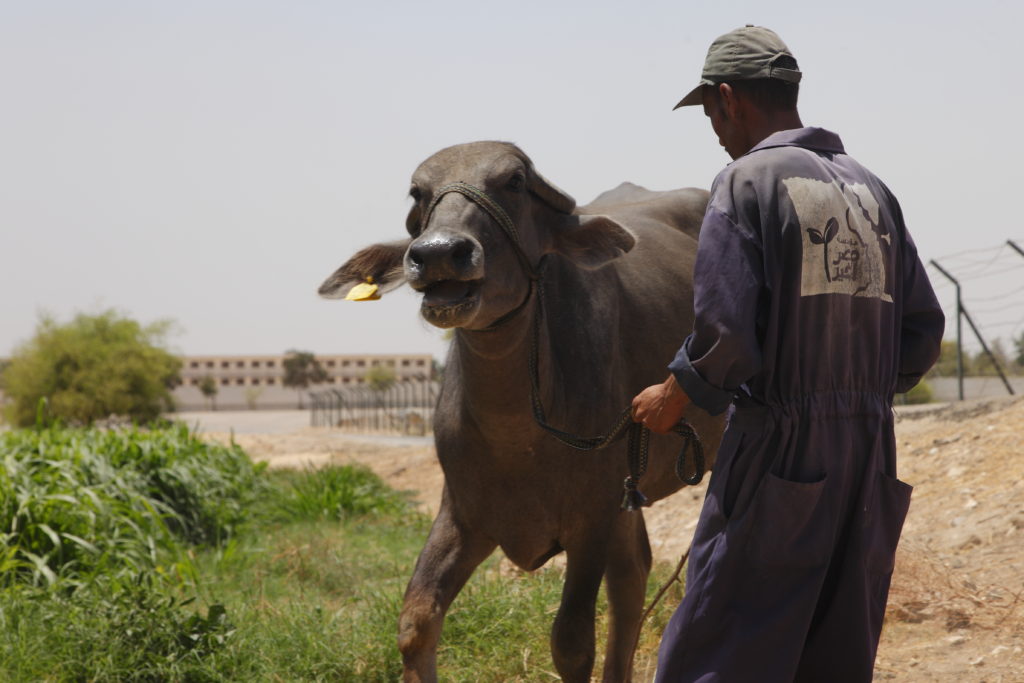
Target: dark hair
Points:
(771, 93)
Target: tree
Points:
(208, 387)
(91, 368)
(252, 396)
(918, 394)
(1018, 344)
(301, 368)
(380, 378)
(983, 364)
(945, 366)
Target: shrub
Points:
(338, 492)
(921, 393)
(91, 368)
(78, 502)
(380, 378)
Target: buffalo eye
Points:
(516, 183)
(415, 193)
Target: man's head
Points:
(748, 88)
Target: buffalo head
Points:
(459, 258)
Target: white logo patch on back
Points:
(842, 239)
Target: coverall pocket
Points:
(883, 522)
(791, 525)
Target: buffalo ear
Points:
(382, 262)
(549, 193)
(591, 241)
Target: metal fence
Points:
(404, 408)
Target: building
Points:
(248, 382)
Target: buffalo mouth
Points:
(446, 300)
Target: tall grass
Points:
(76, 504)
(336, 493)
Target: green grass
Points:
(77, 504)
(209, 569)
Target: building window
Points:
(255, 363)
(345, 363)
(225, 364)
(345, 380)
(195, 382)
(194, 364)
(255, 380)
(405, 363)
(271, 380)
(209, 363)
(270, 363)
(330, 363)
(375, 363)
(420, 363)
(240, 364)
(360, 363)
(240, 380)
(225, 381)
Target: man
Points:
(812, 309)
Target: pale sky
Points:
(212, 162)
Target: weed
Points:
(338, 492)
(79, 503)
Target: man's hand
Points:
(661, 406)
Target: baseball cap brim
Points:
(695, 96)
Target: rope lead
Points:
(639, 436)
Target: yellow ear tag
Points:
(364, 291)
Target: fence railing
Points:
(403, 408)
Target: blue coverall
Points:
(812, 309)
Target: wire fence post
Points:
(1015, 247)
(991, 356)
(959, 332)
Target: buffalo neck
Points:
(494, 374)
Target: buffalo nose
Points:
(443, 257)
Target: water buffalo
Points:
(616, 281)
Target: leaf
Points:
(815, 236)
(54, 538)
(62, 497)
(82, 542)
(41, 568)
(831, 228)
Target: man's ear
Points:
(591, 241)
(382, 262)
(727, 100)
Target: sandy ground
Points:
(955, 609)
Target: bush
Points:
(135, 632)
(338, 492)
(91, 368)
(380, 378)
(75, 503)
(921, 393)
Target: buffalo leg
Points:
(446, 562)
(572, 636)
(629, 563)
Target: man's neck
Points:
(767, 123)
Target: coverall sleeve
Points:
(922, 324)
(723, 351)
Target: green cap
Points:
(741, 55)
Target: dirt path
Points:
(956, 609)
